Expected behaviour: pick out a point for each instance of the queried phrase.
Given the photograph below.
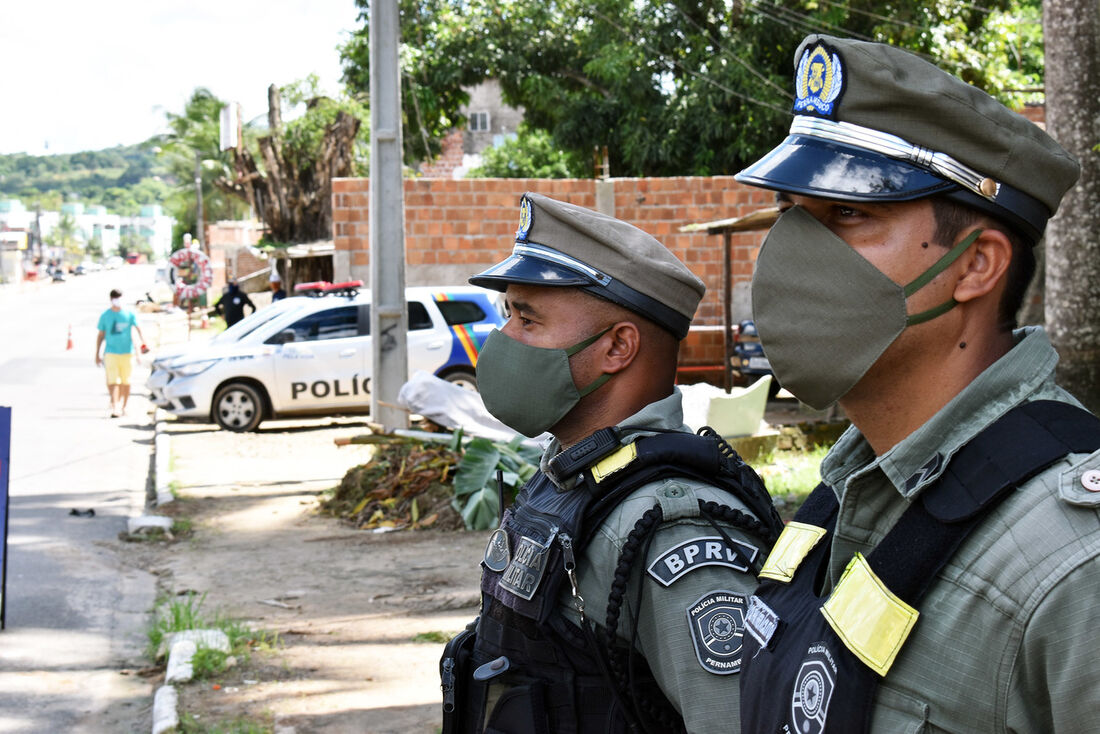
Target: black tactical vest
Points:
(812, 664)
(531, 669)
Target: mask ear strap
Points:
(580, 346)
(926, 277)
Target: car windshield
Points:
(247, 325)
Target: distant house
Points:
(489, 122)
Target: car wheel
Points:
(466, 379)
(238, 407)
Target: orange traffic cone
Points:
(205, 321)
(69, 342)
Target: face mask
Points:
(824, 313)
(116, 303)
(530, 389)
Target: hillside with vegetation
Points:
(123, 179)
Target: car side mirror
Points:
(285, 337)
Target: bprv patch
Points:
(717, 623)
(695, 553)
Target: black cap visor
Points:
(529, 270)
(802, 164)
(519, 268)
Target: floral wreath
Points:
(197, 261)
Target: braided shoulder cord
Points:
(713, 511)
(647, 711)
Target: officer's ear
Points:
(984, 265)
(625, 341)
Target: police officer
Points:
(614, 591)
(944, 576)
(232, 303)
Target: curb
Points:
(166, 700)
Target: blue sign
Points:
(5, 456)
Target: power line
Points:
(692, 72)
(728, 54)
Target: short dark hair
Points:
(952, 218)
(116, 293)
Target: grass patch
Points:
(186, 613)
(790, 476)
(433, 637)
(191, 724)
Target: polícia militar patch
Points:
(717, 623)
(524, 572)
(695, 553)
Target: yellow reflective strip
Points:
(868, 617)
(795, 542)
(614, 462)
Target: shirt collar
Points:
(666, 414)
(919, 459)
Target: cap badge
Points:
(819, 82)
(526, 219)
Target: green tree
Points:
(67, 236)
(94, 248)
(671, 88)
(530, 154)
(194, 135)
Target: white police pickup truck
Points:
(312, 354)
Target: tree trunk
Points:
(1072, 32)
(293, 200)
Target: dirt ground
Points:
(346, 603)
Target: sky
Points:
(78, 75)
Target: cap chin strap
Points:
(925, 278)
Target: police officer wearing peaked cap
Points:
(943, 577)
(614, 590)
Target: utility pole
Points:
(198, 195)
(389, 354)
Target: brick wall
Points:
(448, 160)
(455, 228)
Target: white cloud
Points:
(85, 76)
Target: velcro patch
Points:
(717, 623)
(684, 558)
(761, 621)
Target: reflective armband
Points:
(871, 621)
(795, 542)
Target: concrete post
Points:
(389, 358)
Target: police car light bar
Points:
(313, 288)
(347, 288)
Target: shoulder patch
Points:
(717, 623)
(710, 550)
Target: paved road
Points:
(75, 615)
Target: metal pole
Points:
(389, 355)
(727, 308)
(198, 194)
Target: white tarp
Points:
(454, 407)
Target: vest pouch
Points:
(455, 670)
(518, 709)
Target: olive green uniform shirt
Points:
(1008, 638)
(708, 702)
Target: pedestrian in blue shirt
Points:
(114, 332)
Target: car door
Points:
(429, 342)
(322, 362)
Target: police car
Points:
(312, 354)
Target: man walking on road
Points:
(114, 329)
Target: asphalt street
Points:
(75, 614)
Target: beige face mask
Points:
(824, 313)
